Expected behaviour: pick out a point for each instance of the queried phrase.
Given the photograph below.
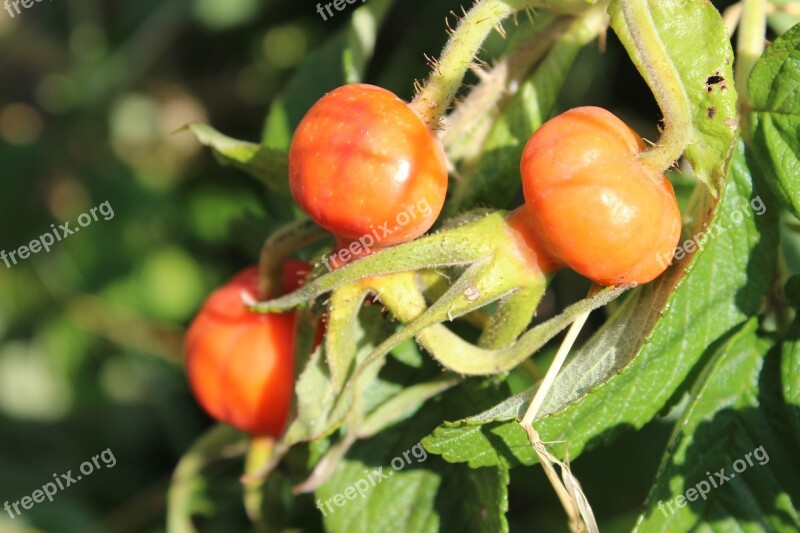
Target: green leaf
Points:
(342, 59)
(404, 404)
(342, 328)
(406, 489)
(632, 367)
(696, 40)
(414, 499)
(316, 389)
(774, 125)
(790, 370)
(494, 179)
(731, 434)
(191, 492)
(269, 166)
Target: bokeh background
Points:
(91, 96)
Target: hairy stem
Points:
(432, 102)
(666, 84)
(278, 247)
(469, 124)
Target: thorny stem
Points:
(666, 84)
(436, 96)
(432, 102)
(476, 113)
(749, 46)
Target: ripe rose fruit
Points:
(592, 205)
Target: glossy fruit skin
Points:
(529, 249)
(240, 364)
(359, 158)
(592, 205)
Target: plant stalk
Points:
(749, 46)
(434, 99)
(666, 84)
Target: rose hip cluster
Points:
(360, 156)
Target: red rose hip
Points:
(590, 202)
(363, 163)
(240, 363)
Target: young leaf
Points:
(729, 464)
(694, 36)
(342, 330)
(775, 121)
(404, 404)
(316, 390)
(268, 165)
(651, 343)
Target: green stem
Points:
(512, 317)
(749, 45)
(278, 247)
(462, 357)
(258, 455)
(432, 102)
(456, 247)
(469, 124)
(666, 84)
